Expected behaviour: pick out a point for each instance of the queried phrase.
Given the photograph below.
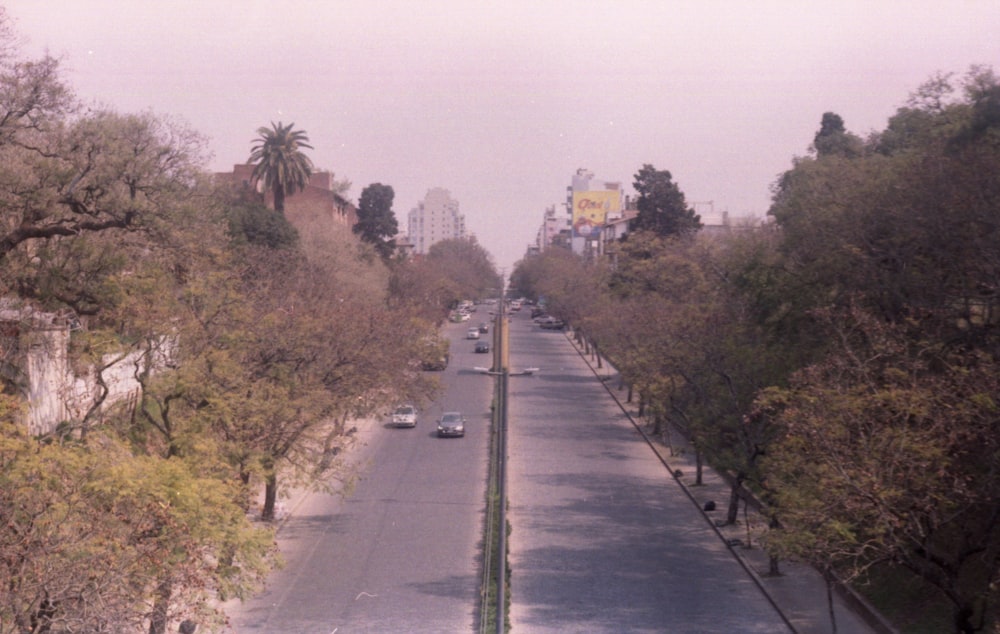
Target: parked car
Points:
(472, 334)
(451, 424)
(404, 416)
(482, 346)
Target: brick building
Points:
(317, 201)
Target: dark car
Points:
(484, 327)
(482, 346)
(451, 424)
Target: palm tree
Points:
(279, 161)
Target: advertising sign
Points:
(590, 210)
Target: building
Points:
(434, 219)
(591, 203)
(318, 201)
(554, 231)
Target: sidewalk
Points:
(799, 592)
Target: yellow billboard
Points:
(591, 209)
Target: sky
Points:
(501, 102)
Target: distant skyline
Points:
(501, 102)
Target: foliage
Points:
(661, 204)
(833, 139)
(452, 270)
(251, 349)
(91, 532)
(279, 162)
(376, 221)
(251, 222)
(889, 455)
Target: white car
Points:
(472, 334)
(404, 416)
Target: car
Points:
(551, 323)
(482, 346)
(404, 416)
(451, 424)
(472, 334)
(484, 327)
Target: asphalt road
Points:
(602, 538)
(402, 552)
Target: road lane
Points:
(602, 538)
(401, 552)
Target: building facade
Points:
(434, 219)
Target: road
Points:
(602, 538)
(402, 552)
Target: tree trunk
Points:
(829, 601)
(628, 398)
(698, 466)
(161, 608)
(279, 199)
(270, 496)
(734, 500)
(773, 570)
(963, 620)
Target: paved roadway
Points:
(401, 553)
(602, 538)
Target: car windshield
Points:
(404, 411)
(451, 417)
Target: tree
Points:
(251, 222)
(888, 455)
(376, 221)
(661, 204)
(93, 536)
(279, 162)
(833, 139)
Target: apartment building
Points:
(434, 219)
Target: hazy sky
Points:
(501, 102)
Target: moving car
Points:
(482, 346)
(451, 424)
(551, 323)
(404, 416)
(484, 327)
(472, 334)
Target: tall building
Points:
(434, 219)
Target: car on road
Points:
(472, 334)
(482, 346)
(404, 416)
(451, 424)
(484, 327)
(551, 323)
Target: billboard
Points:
(590, 210)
